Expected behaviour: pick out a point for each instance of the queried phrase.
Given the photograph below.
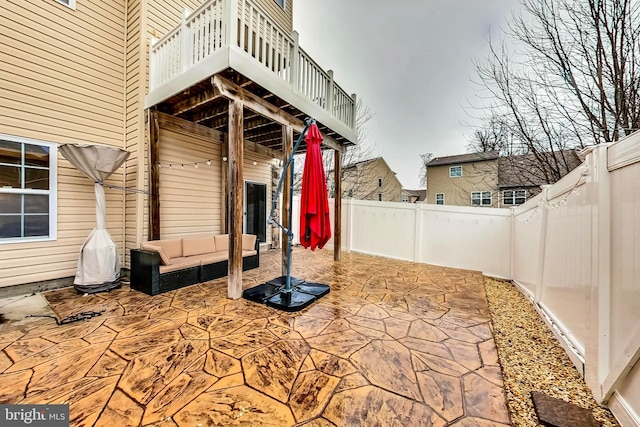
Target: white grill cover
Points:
(99, 262)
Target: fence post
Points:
(597, 347)
(295, 60)
(417, 233)
(348, 224)
(185, 41)
(544, 213)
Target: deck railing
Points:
(209, 29)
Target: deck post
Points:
(329, 104)
(236, 158)
(354, 111)
(337, 205)
(287, 147)
(231, 18)
(295, 64)
(185, 40)
(154, 175)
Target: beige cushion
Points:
(198, 245)
(211, 258)
(179, 264)
(163, 255)
(248, 253)
(222, 242)
(248, 242)
(173, 248)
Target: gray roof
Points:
(528, 171)
(464, 158)
(420, 194)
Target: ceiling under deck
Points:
(199, 104)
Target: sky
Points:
(411, 62)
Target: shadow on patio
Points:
(394, 343)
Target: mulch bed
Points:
(532, 359)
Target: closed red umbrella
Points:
(315, 224)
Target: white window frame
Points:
(482, 198)
(451, 168)
(514, 197)
(379, 197)
(405, 199)
(440, 194)
(71, 4)
(282, 4)
(52, 192)
(379, 181)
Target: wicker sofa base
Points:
(145, 273)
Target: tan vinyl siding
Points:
(62, 80)
(135, 88)
(189, 196)
(476, 176)
(284, 18)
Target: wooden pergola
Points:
(220, 103)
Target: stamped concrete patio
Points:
(394, 344)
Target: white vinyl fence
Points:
(574, 250)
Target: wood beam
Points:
(210, 113)
(196, 100)
(337, 206)
(176, 124)
(253, 102)
(236, 183)
(154, 175)
(225, 185)
(287, 147)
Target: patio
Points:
(394, 343)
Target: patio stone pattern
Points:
(393, 343)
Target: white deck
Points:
(238, 34)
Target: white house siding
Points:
(61, 81)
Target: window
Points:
(281, 3)
(440, 199)
(27, 189)
(455, 171)
(72, 3)
(481, 198)
(379, 197)
(379, 182)
(405, 199)
(514, 197)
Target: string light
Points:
(196, 165)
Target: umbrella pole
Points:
(288, 232)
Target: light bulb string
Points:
(182, 165)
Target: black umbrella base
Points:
(273, 293)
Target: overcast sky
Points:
(410, 61)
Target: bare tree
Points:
(425, 158)
(566, 75)
(356, 180)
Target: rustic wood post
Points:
(236, 158)
(337, 205)
(287, 147)
(224, 212)
(154, 175)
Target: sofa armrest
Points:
(145, 271)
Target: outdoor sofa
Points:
(164, 265)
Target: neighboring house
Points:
(413, 196)
(208, 112)
(485, 179)
(370, 179)
(463, 180)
